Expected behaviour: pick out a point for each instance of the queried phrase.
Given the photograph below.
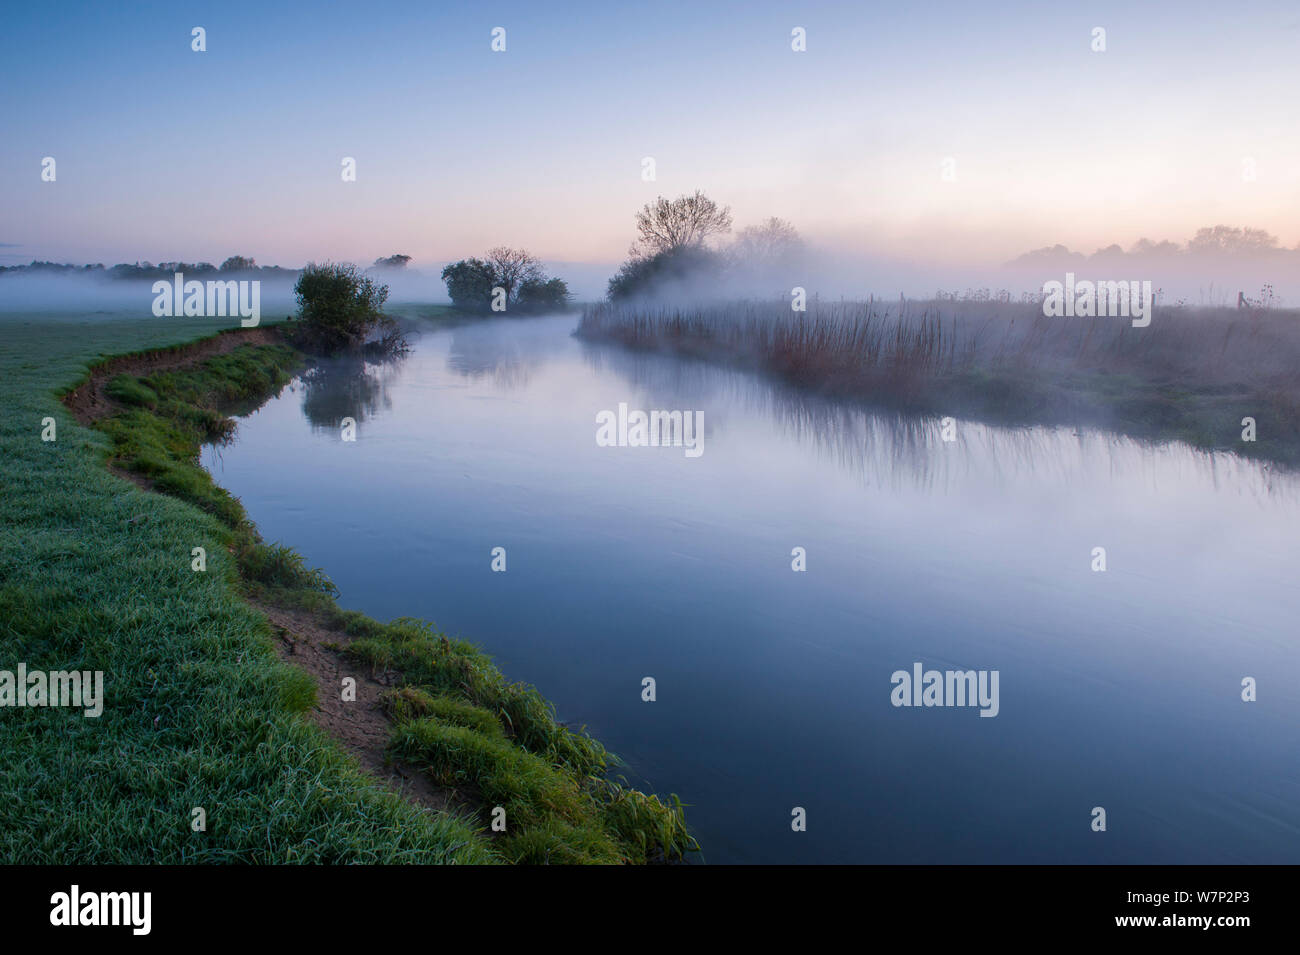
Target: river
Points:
(774, 689)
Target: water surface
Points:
(1119, 689)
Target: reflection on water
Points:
(886, 447)
(1119, 689)
(348, 387)
(506, 361)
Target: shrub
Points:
(684, 271)
(538, 296)
(469, 284)
(340, 308)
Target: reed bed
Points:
(1187, 374)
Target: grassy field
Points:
(95, 574)
(1192, 375)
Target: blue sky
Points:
(166, 153)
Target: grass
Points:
(1192, 375)
(458, 716)
(95, 574)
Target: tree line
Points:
(165, 270)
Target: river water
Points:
(774, 688)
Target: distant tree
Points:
(166, 269)
(511, 268)
(393, 262)
(1112, 251)
(1147, 247)
(340, 308)
(1048, 255)
(469, 284)
(668, 224)
(237, 263)
(773, 244)
(1222, 238)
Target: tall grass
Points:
(1192, 374)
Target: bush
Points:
(469, 284)
(537, 296)
(340, 308)
(519, 276)
(685, 271)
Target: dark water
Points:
(1119, 689)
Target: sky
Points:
(164, 153)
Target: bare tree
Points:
(668, 224)
(775, 242)
(511, 268)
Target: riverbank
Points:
(211, 747)
(1193, 375)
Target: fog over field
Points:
(1212, 275)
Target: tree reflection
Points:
(353, 386)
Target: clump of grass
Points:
(131, 391)
(442, 666)
(658, 831)
(410, 703)
(459, 717)
(551, 816)
(278, 566)
(534, 794)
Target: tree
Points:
(772, 244)
(1147, 247)
(668, 224)
(469, 284)
(393, 262)
(511, 268)
(340, 308)
(237, 263)
(1222, 238)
